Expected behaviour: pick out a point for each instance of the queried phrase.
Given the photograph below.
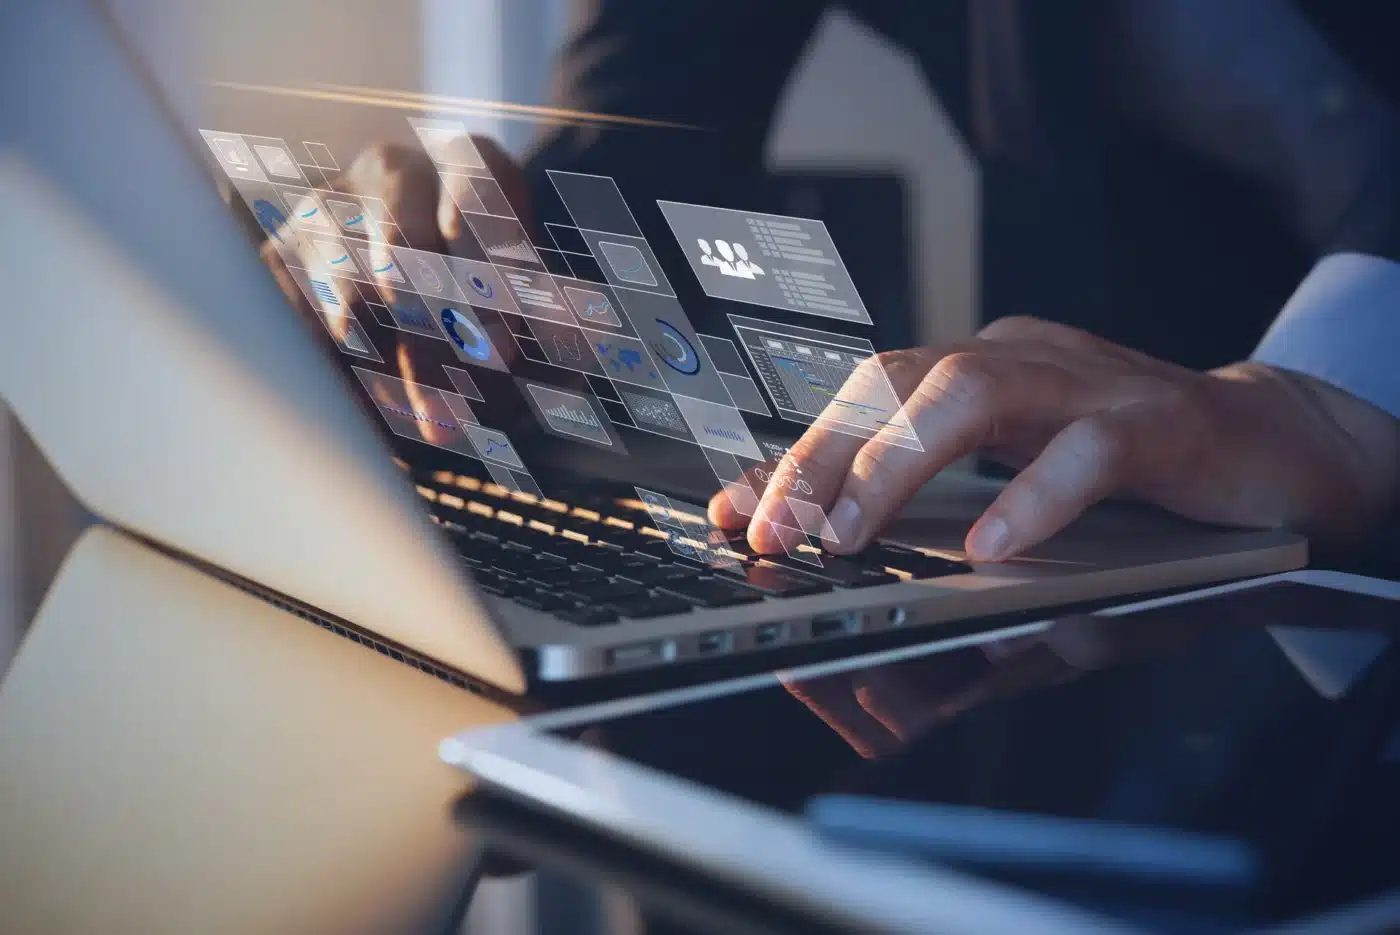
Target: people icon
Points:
(743, 265)
(706, 257)
(726, 265)
(733, 260)
(724, 262)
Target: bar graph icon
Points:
(325, 292)
(578, 417)
(569, 414)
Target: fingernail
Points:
(845, 523)
(989, 541)
(758, 523)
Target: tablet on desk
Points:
(1229, 755)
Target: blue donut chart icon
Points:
(473, 342)
(683, 359)
(481, 287)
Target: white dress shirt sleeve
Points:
(1342, 326)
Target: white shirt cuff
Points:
(1342, 326)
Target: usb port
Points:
(639, 654)
(770, 634)
(713, 644)
(836, 625)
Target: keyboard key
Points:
(588, 616)
(709, 592)
(605, 592)
(654, 573)
(524, 539)
(541, 601)
(648, 606)
(567, 550)
(838, 571)
(613, 561)
(631, 541)
(776, 582)
(565, 579)
(739, 543)
(911, 561)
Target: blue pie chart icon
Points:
(466, 334)
(676, 351)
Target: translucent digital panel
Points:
(469, 339)
(765, 259)
(306, 210)
(234, 155)
(464, 383)
(537, 295)
(504, 241)
(625, 359)
(351, 216)
(742, 493)
(321, 156)
(459, 188)
(719, 427)
(685, 366)
(745, 394)
(690, 535)
(567, 238)
(593, 304)
(482, 284)
(724, 354)
(492, 199)
(493, 445)
(422, 413)
(566, 346)
(449, 146)
(807, 374)
(628, 261)
(571, 415)
(518, 481)
(276, 158)
(429, 274)
(334, 256)
(655, 412)
(811, 518)
(594, 202)
(411, 313)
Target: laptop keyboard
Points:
(600, 560)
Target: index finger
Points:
(820, 458)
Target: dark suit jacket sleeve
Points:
(1254, 85)
(719, 66)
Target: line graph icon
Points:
(592, 307)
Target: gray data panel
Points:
(482, 284)
(421, 413)
(571, 415)
(628, 261)
(684, 364)
(765, 259)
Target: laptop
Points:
(539, 537)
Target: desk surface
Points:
(179, 756)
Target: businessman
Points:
(1304, 434)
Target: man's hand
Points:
(1084, 419)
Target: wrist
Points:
(1338, 455)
